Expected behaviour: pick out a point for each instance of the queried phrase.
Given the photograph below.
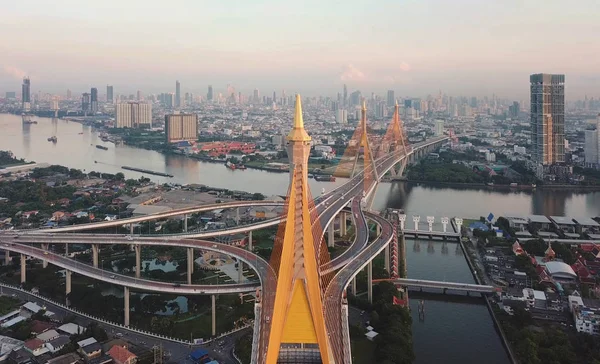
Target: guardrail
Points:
(120, 326)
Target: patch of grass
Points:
(363, 351)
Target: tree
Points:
(119, 176)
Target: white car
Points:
(129, 237)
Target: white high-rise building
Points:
(439, 127)
(341, 116)
(592, 145)
(133, 114)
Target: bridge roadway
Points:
(262, 267)
(464, 287)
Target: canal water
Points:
(452, 332)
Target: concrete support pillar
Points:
(190, 264)
(250, 240)
(430, 221)
(386, 252)
(342, 224)
(445, 223)
(240, 271)
(237, 216)
(185, 227)
(378, 229)
(213, 300)
(370, 281)
(402, 219)
(23, 269)
(44, 261)
(6, 257)
(131, 229)
(330, 236)
(68, 274)
(126, 308)
(354, 286)
(416, 219)
(95, 255)
(459, 223)
(138, 260)
(66, 250)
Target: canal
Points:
(454, 330)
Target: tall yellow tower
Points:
(298, 316)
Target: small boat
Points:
(81, 133)
(53, 139)
(241, 166)
(101, 147)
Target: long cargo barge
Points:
(147, 171)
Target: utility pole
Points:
(158, 354)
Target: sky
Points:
(415, 47)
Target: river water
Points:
(453, 331)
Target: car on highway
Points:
(112, 276)
(214, 246)
(177, 285)
(129, 237)
(45, 253)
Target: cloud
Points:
(352, 73)
(14, 72)
(405, 67)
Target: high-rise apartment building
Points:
(180, 127)
(547, 118)
(109, 94)
(85, 103)
(177, 94)
(514, 110)
(592, 145)
(345, 100)
(209, 95)
(133, 115)
(94, 100)
(391, 99)
(26, 93)
(439, 127)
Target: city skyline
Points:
(414, 48)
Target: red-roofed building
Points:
(35, 346)
(121, 355)
(38, 327)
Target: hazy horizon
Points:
(465, 47)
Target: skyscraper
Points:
(391, 99)
(94, 100)
(439, 127)
(133, 114)
(547, 118)
(592, 145)
(256, 96)
(85, 103)
(345, 104)
(177, 94)
(26, 93)
(209, 95)
(179, 127)
(109, 94)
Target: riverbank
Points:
(483, 186)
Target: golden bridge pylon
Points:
(394, 140)
(297, 330)
(359, 148)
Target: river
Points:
(453, 332)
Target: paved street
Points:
(178, 353)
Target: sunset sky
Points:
(416, 47)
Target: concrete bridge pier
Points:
(138, 260)
(66, 249)
(126, 308)
(354, 286)
(445, 221)
(378, 229)
(68, 274)
(237, 216)
(250, 240)
(23, 269)
(370, 281)
(330, 235)
(130, 229)
(416, 219)
(44, 261)
(342, 224)
(240, 271)
(95, 251)
(190, 264)
(213, 300)
(6, 257)
(185, 227)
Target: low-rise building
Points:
(587, 319)
(35, 347)
(121, 355)
(57, 343)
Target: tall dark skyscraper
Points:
(345, 96)
(26, 93)
(391, 99)
(547, 118)
(109, 94)
(85, 103)
(209, 95)
(177, 94)
(94, 100)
